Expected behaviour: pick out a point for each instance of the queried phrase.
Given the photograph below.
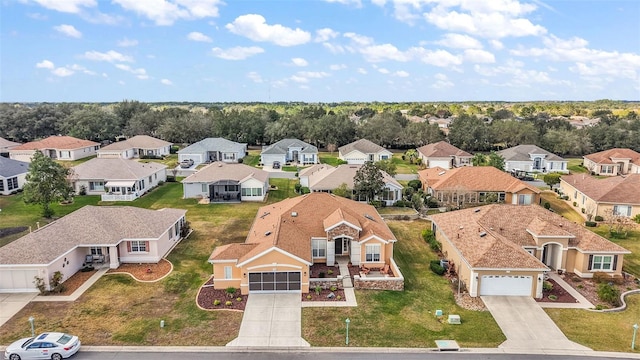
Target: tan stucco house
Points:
(110, 235)
(617, 195)
(478, 184)
(613, 162)
(502, 249)
(289, 236)
(444, 155)
(65, 148)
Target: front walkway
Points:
(582, 302)
(271, 320)
(347, 285)
(526, 325)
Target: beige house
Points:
(106, 235)
(136, 147)
(506, 249)
(618, 195)
(613, 162)
(363, 150)
(475, 185)
(227, 182)
(6, 145)
(289, 236)
(326, 178)
(65, 148)
(13, 175)
(443, 155)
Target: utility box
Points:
(454, 319)
(438, 312)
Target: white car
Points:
(52, 345)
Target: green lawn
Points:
(396, 210)
(403, 319)
(403, 166)
(575, 165)
(330, 158)
(561, 207)
(251, 159)
(170, 160)
(631, 243)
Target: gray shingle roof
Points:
(363, 145)
(137, 142)
(7, 144)
(226, 171)
(282, 147)
(211, 144)
(441, 149)
(115, 169)
(10, 167)
(88, 226)
(521, 153)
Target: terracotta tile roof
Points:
(339, 216)
(542, 227)
(290, 224)
(473, 178)
(231, 251)
(327, 177)
(605, 157)
(57, 142)
(506, 232)
(115, 169)
(616, 189)
(88, 226)
(363, 145)
(442, 149)
(136, 142)
(226, 171)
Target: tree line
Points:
(475, 127)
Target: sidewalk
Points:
(349, 294)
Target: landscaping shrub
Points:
(39, 283)
(431, 202)
(321, 275)
(598, 218)
(305, 190)
(547, 286)
(575, 203)
(216, 302)
(229, 303)
(415, 184)
(436, 268)
(430, 238)
(329, 272)
(231, 291)
(317, 289)
(602, 277)
(553, 297)
(590, 224)
(239, 299)
(56, 282)
(297, 188)
(547, 205)
(609, 294)
(636, 218)
(333, 288)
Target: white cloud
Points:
(358, 39)
(441, 58)
(166, 12)
(401, 73)
(37, 16)
(255, 77)
(383, 71)
(357, 3)
(334, 48)
(299, 62)
(255, 27)
(299, 79)
(314, 74)
(76, 67)
(362, 71)
(110, 56)
(166, 82)
(336, 67)
(140, 73)
(45, 64)
(237, 53)
(479, 56)
(325, 34)
(127, 42)
(459, 41)
(442, 81)
(375, 53)
(198, 36)
(68, 30)
(67, 6)
(62, 72)
(497, 44)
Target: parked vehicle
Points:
(276, 165)
(52, 345)
(186, 163)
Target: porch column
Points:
(331, 252)
(114, 261)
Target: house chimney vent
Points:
(483, 234)
(294, 214)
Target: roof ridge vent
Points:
(483, 234)
(267, 233)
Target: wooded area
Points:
(473, 127)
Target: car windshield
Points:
(26, 343)
(64, 339)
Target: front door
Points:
(342, 246)
(338, 246)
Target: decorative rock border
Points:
(143, 281)
(621, 307)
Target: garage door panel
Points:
(506, 285)
(275, 281)
(17, 280)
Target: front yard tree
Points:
(368, 181)
(46, 183)
(496, 161)
(387, 166)
(551, 179)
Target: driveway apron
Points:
(271, 320)
(526, 325)
(11, 304)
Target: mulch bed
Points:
(73, 283)
(323, 295)
(589, 288)
(208, 295)
(145, 272)
(562, 296)
(316, 269)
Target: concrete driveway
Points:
(271, 320)
(526, 325)
(11, 304)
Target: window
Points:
(551, 165)
(584, 198)
(96, 147)
(607, 169)
(12, 183)
(602, 262)
(575, 194)
(176, 228)
(150, 180)
(524, 199)
(370, 157)
(1, 184)
(142, 184)
(155, 176)
(96, 185)
(227, 272)
(251, 191)
(501, 197)
(96, 250)
(372, 252)
(65, 154)
(319, 248)
(138, 246)
(384, 157)
(388, 194)
(620, 210)
(229, 156)
(171, 233)
(205, 188)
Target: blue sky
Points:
(318, 51)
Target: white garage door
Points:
(274, 281)
(17, 281)
(506, 285)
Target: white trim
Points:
(570, 236)
(374, 236)
(338, 237)
(343, 222)
(221, 261)
(273, 248)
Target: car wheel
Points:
(14, 357)
(56, 357)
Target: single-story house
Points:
(613, 162)
(505, 250)
(363, 150)
(6, 145)
(136, 147)
(12, 175)
(213, 149)
(476, 184)
(533, 159)
(444, 155)
(116, 179)
(222, 182)
(618, 195)
(110, 235)
(289, 236)
(65, 148)
(326, 178)
(289, 151)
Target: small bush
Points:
(56, 282)
(609, 294)
(305, 190)
(216, 302)
(636, 219)
(321, 275)
(547, 205)
(575, 203)
(580, 286)
(329, 272)
(547, 286)
(598, 218)
(590, 224)
(231, 291)
(338, 297)
(317, 289)
(602, 277)
(415, 184)
(239, 299)
(297, 188)
(334, 288)
(601, 307)
(309, 297)
(583, 210)
(83, 190)
(553, 297)
(229, 303)
(39, 283)
(436, 268)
